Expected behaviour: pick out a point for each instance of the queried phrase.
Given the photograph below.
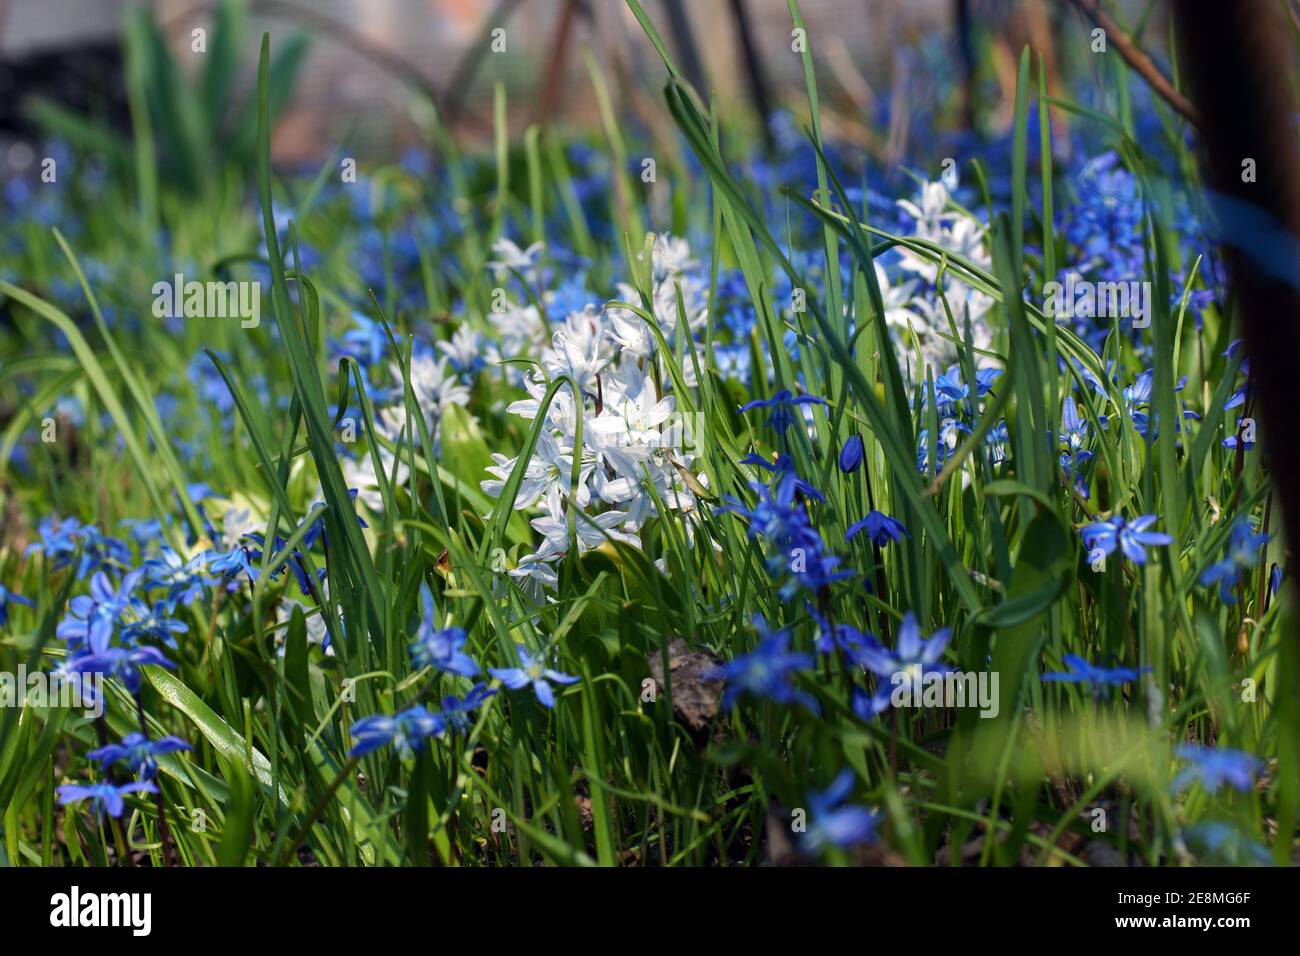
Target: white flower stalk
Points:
(580, 350)
(535, 577)
(510, 258)
(921, 315)
(436, 388)
(521, 333)
(468, 351)
(670, 256)
(591, 532)
(435, 385)
(633, 462)
(548, 477)
(235, 523)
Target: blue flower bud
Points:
(851, 454)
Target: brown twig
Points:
(1138, 60)
(332, 28)
(555, 61)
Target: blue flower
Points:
(950, 392)
(1106, 224)
(98, 549)
(535, 672)
(103, 797)
(92, 618)
(732, 361)
(198, 491)
(1070, 466)
(407, 731)
(210, 386)
(851, 454)
(1243, 552)
(1101, 679)
(317, 529)
(842, 637)
(1198, 300)
(138, 753)
(1239, 396)
(440, 648)
(880, 528)
(1074, 427)
(1130, 537)
(144, 532)
(124, 663)
(59, 540)
(767, 671)
(997, 440)
(834, 823)
(781, 404)
(184, 580)
(941, 451)
(914, 658)
(569, 296)
(295, 563)
(984, 379)
(6, 596)
(156, 623)
(1212, 768)
(1226, 845)
(1137, 400)
(228, 564)
(457, 711)
(788, 480)
(1232, 441)
(366, 343)
(797, 556)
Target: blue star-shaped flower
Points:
(1212, 768)
(914, 658)
(138, 753)
(1130, 537)
(407, 730)
(1100, 678)
(767, 671)
(440, 648)
(6, 598)
(532, 671)
(105, 798)
(781, 404)
(1243, 552)
(834, 823)
(880, 528)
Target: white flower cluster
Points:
(913, 308)
(436, 387)
(635, 453)
(670, 273)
